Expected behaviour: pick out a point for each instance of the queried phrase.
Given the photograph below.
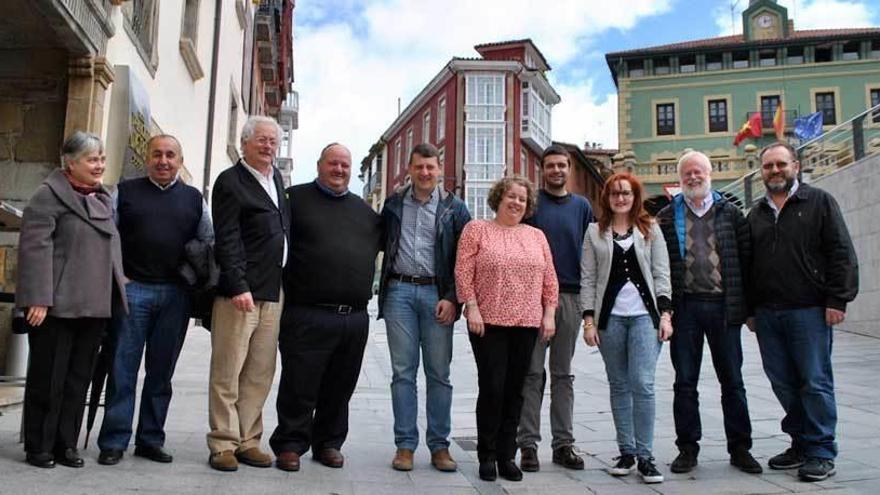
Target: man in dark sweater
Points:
(563, 217)
(804, 272)
(709, 248)
(156, 216)
(334, 240)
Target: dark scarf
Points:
(81, 187)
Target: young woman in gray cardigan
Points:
(626, 302)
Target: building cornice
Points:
(465, 65)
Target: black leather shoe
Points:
(110, 457)
(487, 471)
(40, 459)
(509, 471)
(153, 453)
(70, 458)
(684, 463)
(743, 460)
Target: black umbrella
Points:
(99, 376)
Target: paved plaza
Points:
(370, 446)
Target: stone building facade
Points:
(128, 69)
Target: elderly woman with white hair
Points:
(69, 275)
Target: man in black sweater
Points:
(334, 240)
(804, 272)
(156, 216)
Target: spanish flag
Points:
(752, 128)
(779, 122)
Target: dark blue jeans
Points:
(158, 317)
(695, 319)
(796, 350)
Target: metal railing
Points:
(842, 145)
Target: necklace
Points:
(620, 237)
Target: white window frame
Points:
(536, 115)
(399, 150)
(426, 127)
(441, 119)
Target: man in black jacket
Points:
(709, 248)
(417, 298)
(804, 272)
(333, 247)
(251, 224)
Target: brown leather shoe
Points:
(254, 457)
(442, 461)
(528, 459)
(403, 460)
(223, 461)
(287, 461)
(331, 458)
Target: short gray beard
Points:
(782, 188)
(701, 192)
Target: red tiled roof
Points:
(513, 42)
(733, 41)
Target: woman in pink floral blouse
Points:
(504, 275)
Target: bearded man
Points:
(709, 251)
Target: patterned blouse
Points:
(508, 270)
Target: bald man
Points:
(157, 216)
(709, 251)
(334, 240)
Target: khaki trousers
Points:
(244, 347)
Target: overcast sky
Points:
(353, 59)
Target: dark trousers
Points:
(694, 320)
(503, 355)
(62, 357)
(321, 354)
(157, 319)
(796, 351)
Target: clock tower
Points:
(765, 19)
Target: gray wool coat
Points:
(598, 251)
(69, 254)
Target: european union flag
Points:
(808, 127)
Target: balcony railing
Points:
(288, 117)
(840, 146)
(668, 170)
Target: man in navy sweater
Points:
(563, 217)
(156, 216)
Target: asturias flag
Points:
(752, 128)
(808, 127)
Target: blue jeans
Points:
(630, 349)
(796, 350)
(696, 320)
(410, 319)
(158, 317)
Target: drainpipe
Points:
(212, 99)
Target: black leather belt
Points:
(413, 280)
(341, 309)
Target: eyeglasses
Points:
(621, 194)
(779, 165)
(264, 140)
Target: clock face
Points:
(765, 21)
